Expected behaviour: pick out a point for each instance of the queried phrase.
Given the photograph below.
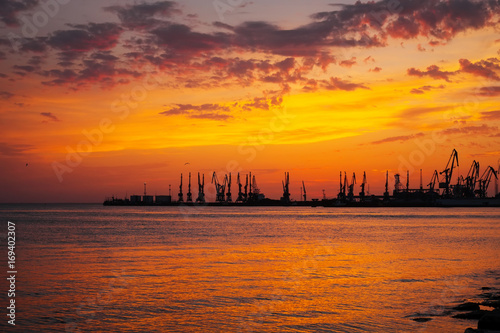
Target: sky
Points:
(99, 97)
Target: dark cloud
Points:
(83, 38)
(13, 149)
(143, 16)
(181, 40)
(419, 111)
(336, 83)
(490, 115)
(490, 91)
(376, 70)
(101, 68)
(6, 95)
(36, 45)
(483, 68)
(9, 9)
(28, 69)
(476, 130)
(50, 116)
(205, 111)
(432, 71)
(422, 90)
(348, 63)
(401, 138)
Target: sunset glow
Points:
(97, 99)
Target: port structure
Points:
(180, 195)
(220, 188)
(286, 188)
(350, 195)
(448, 172)
(469, 190)
(229, 197)
(201, 190)
(485, 180)
(189, 195)
(362, 194)
(304, 194)
(241, 195)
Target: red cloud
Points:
(432, 71)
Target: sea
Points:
(91, 268)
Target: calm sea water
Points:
(166, 269)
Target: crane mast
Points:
(485, 180)
(448, 172)
(228, 183)
(189, 196)
(201, 189)
(363, 185)
(180, 195)
(305, 194)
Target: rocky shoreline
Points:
(486, 312)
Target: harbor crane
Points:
(448, 172)
(240, 192)
(245, 197)
(471, 179)
(434, 180)
(220, 189)
(363, 185)
(228, 183)
(189, 196)
(286, 188)
(180, 195)
(201, 189)
(485, 180)
(341, 194)
(386, 193)
(351, 187)
(305, 193)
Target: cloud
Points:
(336, 83)
(6, 95)
(401, 138)
(475, 130)
(83, 38)
(206, 111)
(9, 9)
(348, 63)
(375, 70)
(432, 71)
(50, 116)
(419, 111)
(101, 68)
(28, 69)
(13, 149)
(143, 16)
(490, 115)
(483, 68)
(492, 91)
(423, 89)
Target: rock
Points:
(421, 319)
(469, 306)
(471, 315)
(490, 321)
(493, 304)
(471, 330)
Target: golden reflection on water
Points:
(337, 274)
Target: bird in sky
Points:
(187, 163)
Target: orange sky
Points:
(99, 100)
